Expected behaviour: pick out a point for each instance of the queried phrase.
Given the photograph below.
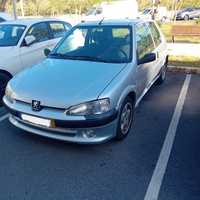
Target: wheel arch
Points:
(129, 92)
(6, 72)
(132, 95)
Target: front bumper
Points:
(76, 129)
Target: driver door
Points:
(145, 45)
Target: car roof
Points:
(115, 22)
(6, 16)
(30, 21)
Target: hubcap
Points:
(126, 118)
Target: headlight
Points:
(90, 108)
(9, 93)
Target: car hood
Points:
(62, 83)
(5, 51)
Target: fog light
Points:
(88, 134)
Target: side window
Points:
(2, 20)
(58, 29)
(99, 11)
(155, 33)
(144, 40)
(67, 26)
(40, 31)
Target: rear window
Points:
(58, 29)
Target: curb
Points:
(184, 69)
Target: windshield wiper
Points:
(88, 58)
(59, 55)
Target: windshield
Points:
(10, 34)
(110, 44)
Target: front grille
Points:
(43, 106)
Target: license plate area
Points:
(37, 120)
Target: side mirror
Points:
(149, 57)
(47, 52)
(29, 40)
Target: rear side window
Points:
(2, 20)
(67, 26)
(155, 34)
(58, 29)
(144, 40)
(40, 31)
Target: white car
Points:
(118, 9)
(5, 17)
(22, 44)
(161, 14)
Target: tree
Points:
(3, 5)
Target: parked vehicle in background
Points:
(188, 13)
(22, 43)
(160, 14)
(146, 14)
(113, 10)
(87, 89)
(5, 17)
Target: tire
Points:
(125, 118)
(4, 78)
(186, 17)
(162, 75)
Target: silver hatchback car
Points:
(89, 85)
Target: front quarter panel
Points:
(121, 86)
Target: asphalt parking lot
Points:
(146, 165)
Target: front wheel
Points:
(186, 17)
(125, 119)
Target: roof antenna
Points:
(101, 21)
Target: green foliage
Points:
(197, 21)
(59, 7)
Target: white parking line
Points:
(4, 117)
(159, 171)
